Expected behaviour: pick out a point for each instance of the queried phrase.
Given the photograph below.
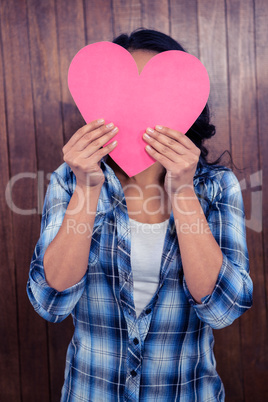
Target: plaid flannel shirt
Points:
(166, 354)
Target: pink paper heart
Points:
(171, 90)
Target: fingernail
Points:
(100, 121)
(147, 136)
(110, 125)
(150, 130)
(114, 130)
(158, 127)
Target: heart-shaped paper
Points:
(171, 90)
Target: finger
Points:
(103, 151)
(163, 149)
(95, 137)
(177, 135)
(167, 163)
(166, 141)
(81, 132)
(99, 142)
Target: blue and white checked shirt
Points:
(167, 353)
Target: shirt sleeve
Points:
(50, 304)
(232, 294)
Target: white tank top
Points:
(147, 241)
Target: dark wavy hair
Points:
(202, 129)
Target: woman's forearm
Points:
(200, 253)
(66, 258)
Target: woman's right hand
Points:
(83, 152)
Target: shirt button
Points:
(135, 341)
(133, 373)
(148, 310)
(129, 311)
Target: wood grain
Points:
(243, 118)
(38, 115)
(259, 347)
(46, 84)
(9, 349)
(213, 54)
(71, 38)
(155, 15)
(49, 133)
(261, 17)
(126, 16)
(184, 24)
(22, 153)
(98, 19)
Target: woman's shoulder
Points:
(215, 172)
(216, 178)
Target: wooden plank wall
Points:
(37, 42)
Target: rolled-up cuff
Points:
(50, 300)
(221, 308)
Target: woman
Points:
(146, 265)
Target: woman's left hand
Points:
(177, 153)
